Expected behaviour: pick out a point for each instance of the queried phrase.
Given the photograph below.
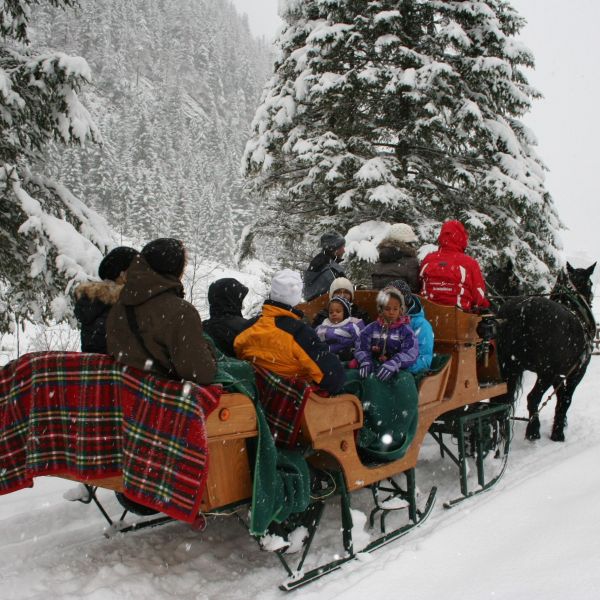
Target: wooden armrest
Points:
(327, 416)
(235, 417)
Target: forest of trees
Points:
(121, 120)
(402, 112)
(390, 110)
(175, 86)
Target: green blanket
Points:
(281, 477)
(390, 414)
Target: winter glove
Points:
(365, 369)
(385, 373)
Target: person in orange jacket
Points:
(279, 340)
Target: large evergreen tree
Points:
(48, 238)
(405, 111)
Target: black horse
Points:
(551, 336)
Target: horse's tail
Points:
(514, 384)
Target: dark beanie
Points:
(332, 241)
(402, 285)
(116, 261)
(165, 256)
(345, 305)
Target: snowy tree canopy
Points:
(48, 238)
(404, 111)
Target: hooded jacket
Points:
(323, 269)
(225, 299)
(451, 277)
(93, 301)
(424, 334)
(170, 327)
(397, 260)
(341, 337)
(281, 342)
(394, 345)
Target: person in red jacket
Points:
(448, 276)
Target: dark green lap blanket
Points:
(281, 477)
(390, 414)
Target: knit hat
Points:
(115, 262)
(384, 295)
(341, 283)
(404, 288)
(401, 232)
(345, 305)
(286, 287)
(165, 256)
(332, 240)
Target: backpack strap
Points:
(171, 372)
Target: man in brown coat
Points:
(152, 327)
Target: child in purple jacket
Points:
(388, 344)
(339, 330)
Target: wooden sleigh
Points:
(450, 404)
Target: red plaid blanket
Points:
(86, 416)
(283, 401)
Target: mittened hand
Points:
(364, 370)
(384, 373)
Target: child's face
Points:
(346, 294)
(392, 310)
(336, 312)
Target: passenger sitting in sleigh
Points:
(387, 345)
(341, 286)
(280, 342)
(340, 330)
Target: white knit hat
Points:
(341, 283)
(401, 232)
(286, 287)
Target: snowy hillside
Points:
(535, 535)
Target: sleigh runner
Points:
(327, 434)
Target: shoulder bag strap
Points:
(171, 372)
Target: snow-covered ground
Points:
(536, 534)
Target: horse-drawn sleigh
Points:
(452, 404)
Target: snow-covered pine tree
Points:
(48, 238)
(403, 111)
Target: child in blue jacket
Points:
(419, 324)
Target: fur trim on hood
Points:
(107, 292)
(392, 250)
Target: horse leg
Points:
(532, 432)
(564, 397)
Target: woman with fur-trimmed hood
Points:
(93, 300)
(397, 258)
